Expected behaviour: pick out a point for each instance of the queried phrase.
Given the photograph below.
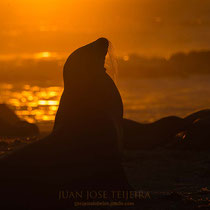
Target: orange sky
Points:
(150, 27)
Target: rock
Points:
(12, 126)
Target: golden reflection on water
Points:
(32, 103)
(144, 100)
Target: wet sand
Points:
(174, 179)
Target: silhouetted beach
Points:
(153, 142)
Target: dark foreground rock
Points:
(12, 126)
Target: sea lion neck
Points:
(70, 76)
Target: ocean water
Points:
(145, 100)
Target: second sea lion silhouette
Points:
(140, 136)
(197, 134)
(197, 115)
(190, 132)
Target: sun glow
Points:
(43, 55)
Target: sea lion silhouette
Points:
(82, 153)
(89, 93)
(141, 136)
(91, 111)
(196, 135)
(201, 114)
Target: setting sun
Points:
(43, 55)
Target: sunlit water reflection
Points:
(144, 100)
(32, 103)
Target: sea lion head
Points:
(87, 60)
